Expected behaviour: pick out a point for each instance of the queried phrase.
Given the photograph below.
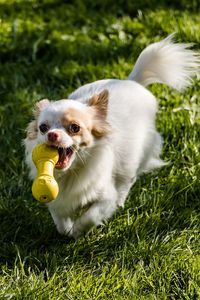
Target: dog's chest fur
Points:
(84, 182)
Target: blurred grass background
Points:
(149, 250)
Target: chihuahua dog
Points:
(106, 136)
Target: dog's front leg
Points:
(63, 224)
(96, 214)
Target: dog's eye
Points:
(44, 128)
(73, 128)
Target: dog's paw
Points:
(80, 227)
(76, 231)
(64, 227)
(120, 204)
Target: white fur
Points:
(113, 163)
(166, 62)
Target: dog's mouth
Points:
(65, 155)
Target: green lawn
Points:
(149, 250)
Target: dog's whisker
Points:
(75, 150)
(81, 158)
(87, 153)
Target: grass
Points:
(149, 250)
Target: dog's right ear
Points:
(32, 126)
(100, 103)
(39, 106)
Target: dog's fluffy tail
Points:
(166, 62)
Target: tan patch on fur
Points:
(99, 104)
(72, 115)
(32, 130)
(101, 129)
(84, 120)
(92, 121)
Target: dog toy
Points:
(45, 187)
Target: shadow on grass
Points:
(28, 233)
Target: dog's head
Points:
(70, 125)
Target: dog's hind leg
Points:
(123, 187)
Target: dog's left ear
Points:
(39, 106)
(100, 103)
(32, 126)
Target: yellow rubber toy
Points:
(45, 187)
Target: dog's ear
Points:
(31, 130)
(39, 106)
(100, 103)
(32, 126)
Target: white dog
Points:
(106, 136)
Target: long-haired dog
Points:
(106, 136)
